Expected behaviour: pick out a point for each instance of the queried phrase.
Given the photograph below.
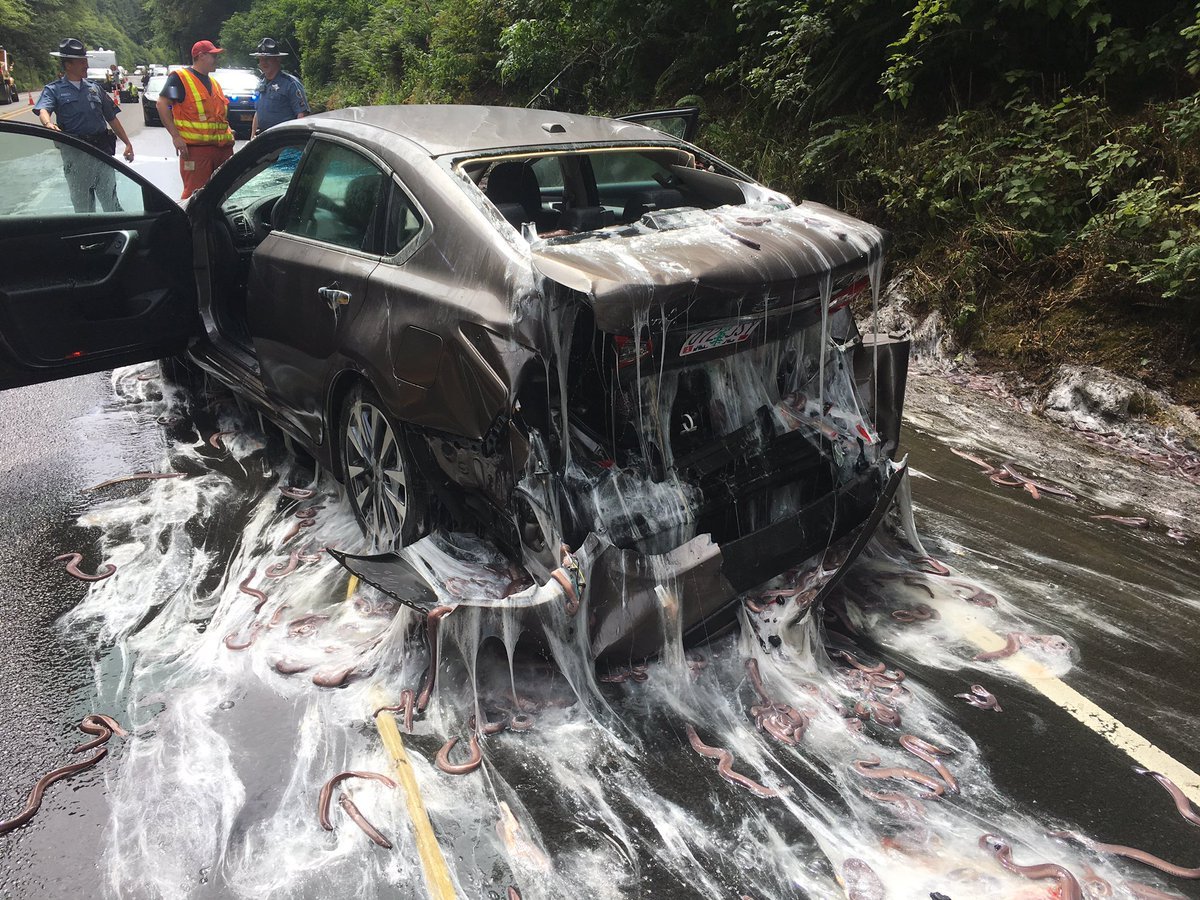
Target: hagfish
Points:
(258, 595)
(327, 792)
(472, 763)
(725, 766)
(103, 727)
(1068, 886)
(279, 570)
(1185, 809)
(361, 821)
(73, 561)
(981, 698)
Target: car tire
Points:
(387, 492)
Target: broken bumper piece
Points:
(625, 608)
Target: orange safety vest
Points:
(202, 116)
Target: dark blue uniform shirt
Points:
(280, 100)
(81, 110)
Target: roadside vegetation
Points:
(1036, 160)
(30, 29)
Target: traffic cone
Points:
(31, 98)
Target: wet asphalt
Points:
(45, 461)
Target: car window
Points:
(155, 84)
(57, 179)
(337, 199)
(549, 172)
(404, 222)
(617, 172)
(269, 177)
(622, 179)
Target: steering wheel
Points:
(259, 213)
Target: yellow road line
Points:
(1076, 704)
(15, 113)
(437, 873)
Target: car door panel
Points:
(682, 121)
(296, 326)
(310, 278)
(85, 291)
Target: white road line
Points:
(1037, 676)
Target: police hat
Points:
(268, 47)
(70, 48)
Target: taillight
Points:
(843, 296)
(630, 350)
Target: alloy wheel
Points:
(377, 479)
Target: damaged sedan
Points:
(582, 338)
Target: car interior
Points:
(564, 194)
(244, 222)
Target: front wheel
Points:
(386, 491)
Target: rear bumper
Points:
(624, 603)
(624, 606)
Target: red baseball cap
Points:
(205, 47)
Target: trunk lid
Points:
(678, 270)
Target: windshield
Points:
(237, 81)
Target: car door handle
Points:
(333, 296)
(96, 246)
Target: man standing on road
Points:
(281, 96)
(84, 111)
(195, 112)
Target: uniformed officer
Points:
(281, 96)
(83, 110)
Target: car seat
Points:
(516, 183)
(642, 202)
(361, 208)
(586, 218)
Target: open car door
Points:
(95, 262)
(681, 122)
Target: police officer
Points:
(84, 111)
(281, 96)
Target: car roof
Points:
(450, 129)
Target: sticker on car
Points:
(711, 338)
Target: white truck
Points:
(100, 70)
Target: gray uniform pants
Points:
(89, 180)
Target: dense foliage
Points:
(29, 30)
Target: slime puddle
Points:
(248, 675)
